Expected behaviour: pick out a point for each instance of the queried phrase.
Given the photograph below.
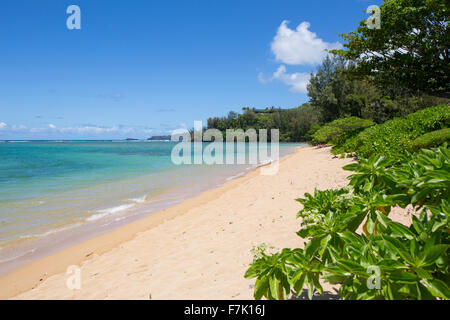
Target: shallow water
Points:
(59, 191)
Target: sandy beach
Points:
(199, 249)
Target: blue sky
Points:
(141, 68)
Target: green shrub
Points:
(333, 131)
(395, 136)
(431, 139)
(430, 119)
(387, 260)
(309, 135)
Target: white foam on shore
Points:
(139, 200)
(265, 162)
(52, 231)
(60, 229)
(235, 176)
(105, 212)
(18, 256)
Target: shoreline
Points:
(88, 228)
(114, 212)
(29, 275)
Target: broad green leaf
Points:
(273, 285)
(437, 288)
(299, 281)
(432, 253)
(401, 230)
(261, 287)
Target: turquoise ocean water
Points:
(59, 192)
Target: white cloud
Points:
(261, 78)
(181, 129)
(297, 81)
(300, 46)
(90, 129)
(297, 47)
(19, 128)
(82, 131)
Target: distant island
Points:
(131, 139)
(159, 138)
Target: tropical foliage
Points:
(336, 95)
(293, 124)
(431, 139)
(333, 96)
(339, 129)
(351, 241)
(396, 136)
(409, 50)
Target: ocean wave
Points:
(21, 141)
(110, 222)
(105, 212)
(17, 256)
(96, 216)
(139, 200)
(52, 231)
(235, 176)
(265, 162)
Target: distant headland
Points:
(159, 138)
